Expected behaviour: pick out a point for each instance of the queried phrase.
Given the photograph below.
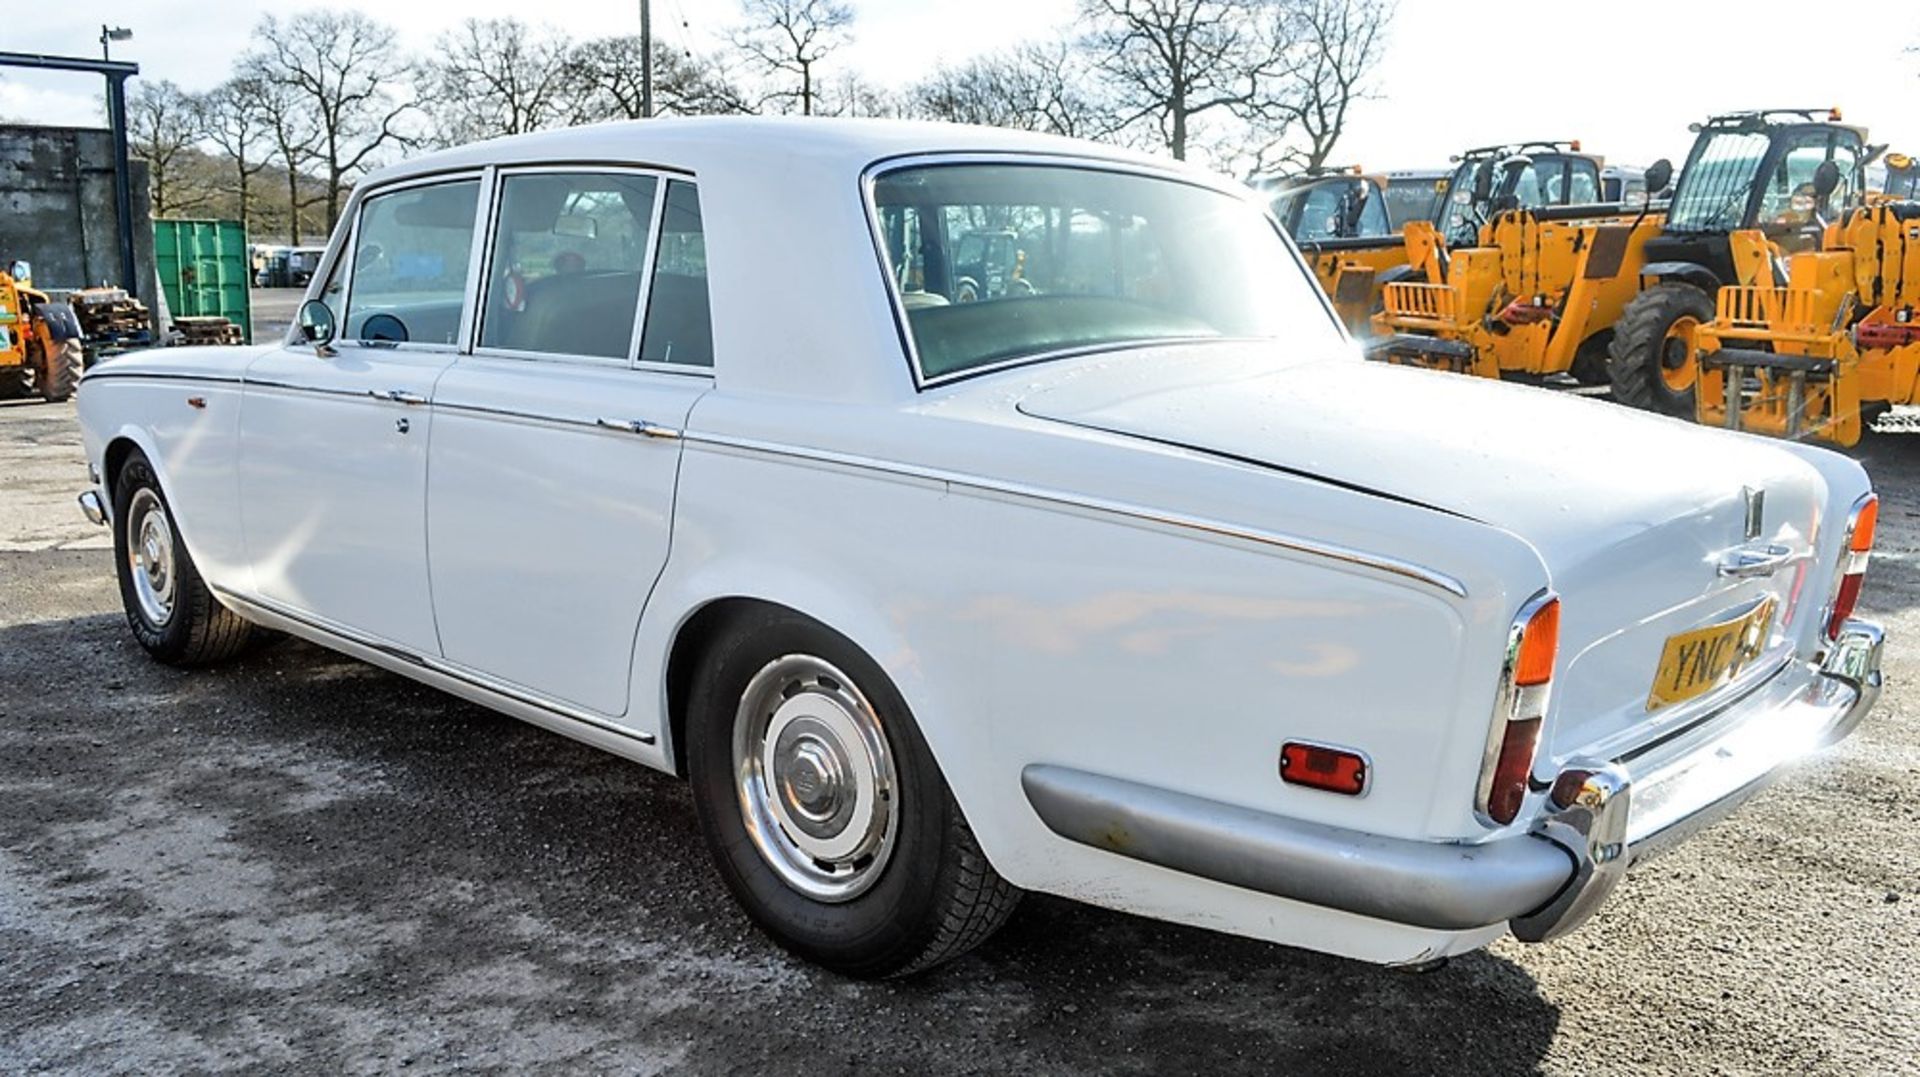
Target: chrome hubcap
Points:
(150, 557)
(815, 778)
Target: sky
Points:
(1624, 77)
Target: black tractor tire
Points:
(15, 382)
(934, 895)
(1652, 343)
(60, 375)
(1591, 366)
(196, 629)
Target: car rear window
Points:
(1000, 263)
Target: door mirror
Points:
(1659, 174)
(1826, 180)
(316, 323)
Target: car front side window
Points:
(410, 264)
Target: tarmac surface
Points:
(299, 860)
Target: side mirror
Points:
(1659, 174)
(316, 323)
(1826, 180)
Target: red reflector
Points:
(1538, 646)
(1510, 771)
(1323, 768)
(1844, 602)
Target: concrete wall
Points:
(57, 210)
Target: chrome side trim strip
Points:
(103, 372)
(317, 390)
(1435, 885)
(471, 677)
(980, 484)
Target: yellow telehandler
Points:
(1615, 298)
(1341, 219)
(1818, 358)
(40, 350)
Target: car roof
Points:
(696, 144)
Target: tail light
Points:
(1526, 677)
(1853, 562)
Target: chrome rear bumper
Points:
(1598, 820)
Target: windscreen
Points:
(996, 263)
(1715, 185)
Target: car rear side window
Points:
(679, 317)
(569, 250)
(410, 262)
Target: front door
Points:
(555, 450)
(333, 462)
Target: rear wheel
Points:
(1655, 350)
(169, 607)
(60, 372)
(824, 809)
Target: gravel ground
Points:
(298, 859)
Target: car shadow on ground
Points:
(297, 857)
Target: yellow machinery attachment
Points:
(1530, 299)
(40, 349)
(1841, 339)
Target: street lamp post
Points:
(110, 34)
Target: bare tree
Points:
(497, 77)
(1173, 63)
(235, 124)
(790, 37)
(1034, 87)
(848, 94)
(164, 123)
(607, 74)
(1335, 45)
(344, 69)
(290, 131)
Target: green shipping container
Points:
(204, 270)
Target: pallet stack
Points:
(111, 320)
(211, 329)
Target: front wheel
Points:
(824, 809)
(1655, 349)
(169, 607)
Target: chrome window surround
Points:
(1090, 163)
(347, 235)
(492, 241)
(1507, 699)
(482, 208)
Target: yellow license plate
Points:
(1703, 659)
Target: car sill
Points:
(470, 684)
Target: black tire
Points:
(1648, 347)
(1590, 365)
(933, 897)
(62, 375)
(198, 630)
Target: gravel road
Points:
(300, 860)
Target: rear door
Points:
(555, 447)
(333, 457)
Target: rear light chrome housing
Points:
(1520, 710)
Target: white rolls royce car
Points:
(965, 512)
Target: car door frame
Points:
(408, 408)
(634, 720)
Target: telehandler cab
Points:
(40, 351)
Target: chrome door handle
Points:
(401, 396)
(1749, 562)
(638, 426)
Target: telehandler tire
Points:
(1654, 365)
(61, 374)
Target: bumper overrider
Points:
(1598, 819)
